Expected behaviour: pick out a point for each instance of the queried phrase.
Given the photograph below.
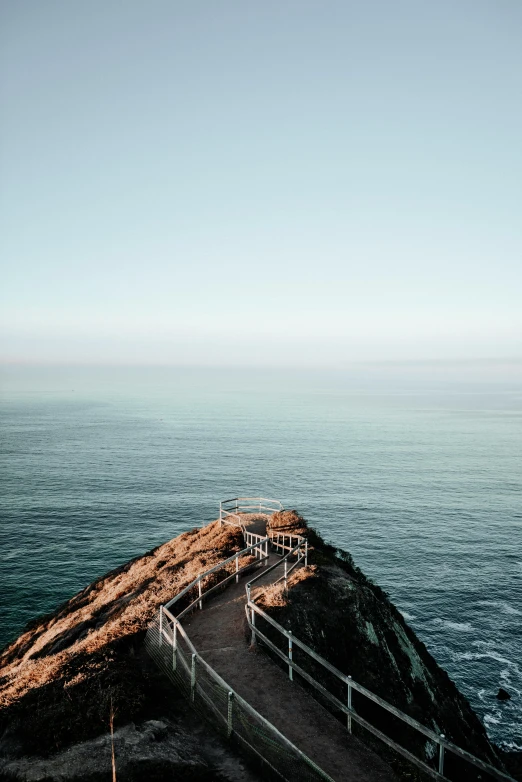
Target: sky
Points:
(280, 182)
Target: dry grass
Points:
(277, 594)
(118, 605)
(288, 521)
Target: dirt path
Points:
(218, 633)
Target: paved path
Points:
(218, 633)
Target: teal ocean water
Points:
(421, 480)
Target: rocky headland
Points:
(69, 670)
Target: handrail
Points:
(212, 570)
(236, 697)
(239, 500)
(238, 505)
(251, 609)
(248, 586)
(165, 613)
(443, 743)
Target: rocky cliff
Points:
(347, 619)
(60, 679)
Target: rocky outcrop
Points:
(350, 621)
(61, 677)
(156, 748)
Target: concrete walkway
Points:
(219, 634)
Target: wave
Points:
(491, 719)
(459, 627)
(505, 608)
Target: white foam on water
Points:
(509, 609)
(512, 746)
(459, 627)
(491, 719)
(467, 656)
(407, 616)
(505, 676)
(505, 608)
(13, 554)
(482, 643)
(492, 654)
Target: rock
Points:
(513, 762)
(337, 611)
(62, 677)
(153, 750)
(503, 695)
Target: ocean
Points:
(418, 476)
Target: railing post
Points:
(266, 553)
(286, 571)
(237, 569)
(290, 669)
(174, 645)
(349, 716)
(230, 714)
(220, 514)
(306, 553)
(200, 592)
(441, 756)
(161, 626)
(253, 622)
(193, 678)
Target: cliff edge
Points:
(62, 677)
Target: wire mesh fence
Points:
(230, 714)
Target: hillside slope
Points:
(60, 678)
(347, 619)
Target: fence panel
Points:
(225, 709)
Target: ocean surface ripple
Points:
(422, 486)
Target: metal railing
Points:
(347, 708)
(229, 510)
(259, 541)
(170, 646)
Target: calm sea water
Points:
(420, 479)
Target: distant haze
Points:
(295, 183)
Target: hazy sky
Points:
(270, 181)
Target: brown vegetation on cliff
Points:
(58, 676)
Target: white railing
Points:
(230, 510)
(283, 541)
(173, 651)
(260, 542)
(165, 639)
(166, 630)
(347, 708)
